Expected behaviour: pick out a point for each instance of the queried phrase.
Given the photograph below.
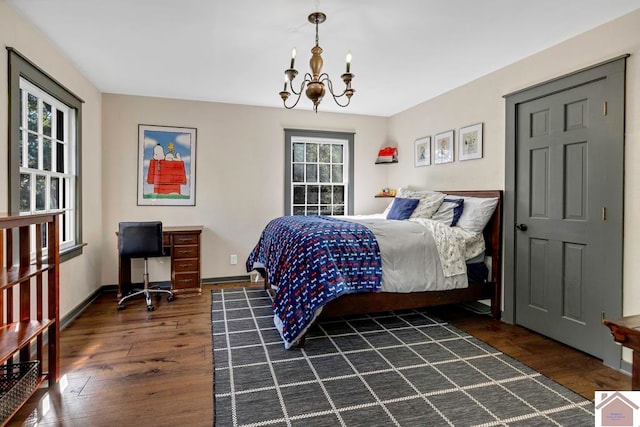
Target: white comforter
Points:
(421, 254)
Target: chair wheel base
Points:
(170, 298)
(150, 308)
(120, 307)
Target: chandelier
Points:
(315, 82)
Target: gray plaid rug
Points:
(391, 369)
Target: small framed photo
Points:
(470, 142)
(166, 166)
(443, 147)
(422, 150)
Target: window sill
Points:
(71, 252)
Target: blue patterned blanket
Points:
(311, 260)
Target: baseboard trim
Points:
(70, 317)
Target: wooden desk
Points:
(626, 331)
(182, 244)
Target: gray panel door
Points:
(562, 155)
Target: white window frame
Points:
(345, 173)
(67, 177)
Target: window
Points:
(319, 173)
(44, 149)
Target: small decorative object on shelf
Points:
(387, 192)
(387, 155)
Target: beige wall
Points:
(241, 150)
(80, 276)
(482, 101)
(239, 172)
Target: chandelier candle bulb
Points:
(348, 61)
(293, 56)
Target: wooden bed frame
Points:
(362, 303)
(385, 301)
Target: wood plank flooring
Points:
(134, 367)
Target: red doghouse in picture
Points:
(166, 176)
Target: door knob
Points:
(522, 227)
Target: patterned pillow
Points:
(430, 201)
(449, 211)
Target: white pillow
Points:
(386, 211)
(429, 203)
(476, 213)
(449, 211)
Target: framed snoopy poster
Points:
(166, 166)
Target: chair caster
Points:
(120, 307)
(170, 298)
(150, 307)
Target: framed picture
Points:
(470, 142)
(422, 150)
(443, 147)
(166, 166)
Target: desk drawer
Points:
(186, 281)
(185, 239)
(186, 251)
(186, 264)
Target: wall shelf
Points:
(386, 163)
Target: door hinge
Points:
(604, 213)
(604, 108)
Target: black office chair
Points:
(141, 240)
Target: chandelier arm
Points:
(336, 97)
(307, 79)
(295, 103)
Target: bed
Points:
(354, 281)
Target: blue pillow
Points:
(449, 211)
(402, 208)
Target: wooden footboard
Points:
(387, 301)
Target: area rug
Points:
(391, 369)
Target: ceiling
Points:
(404, 51)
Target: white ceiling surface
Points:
(404, 51)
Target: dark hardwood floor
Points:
(134, 367)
